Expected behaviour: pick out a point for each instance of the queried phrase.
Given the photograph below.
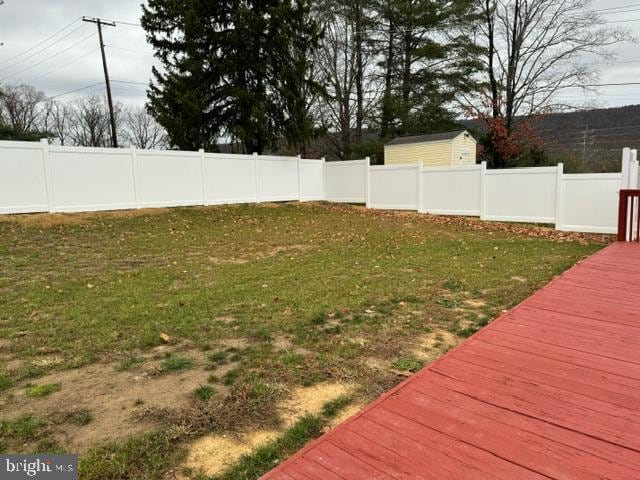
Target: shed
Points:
(449, 148)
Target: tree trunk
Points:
(406, 79)
(387, 114)
(359, 73)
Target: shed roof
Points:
(431, 137)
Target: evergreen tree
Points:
(232, 70)
(428, 61)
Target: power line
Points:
(602, 85)
(618, 7)
(62, 66)
(42, 50)
(130, 24)
(146, 84)
(616, 12)
(49, 58)
(128, 50)
(39, 43)
(623, 21)
(76, 90)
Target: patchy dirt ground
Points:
(111, 397)
(211, 454)
(430, 346)
(49, 220)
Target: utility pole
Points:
(99, 23)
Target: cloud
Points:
(24, 23)
(73, 60)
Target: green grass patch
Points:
(218, 358)
(23, 429)
(82, 417)
(175, 362)
(407, 364)
(42, 390)
(447, 302)
(252, 466)
(140, 457)
(332, 408)
(204, 392)
(128, 363)
(5, 381)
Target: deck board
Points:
(551, 389)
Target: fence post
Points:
(483, 189)
(559, 196)
(255, 175)
(626, 160)
(324, 178)
(623, 216)
(203, 179)
(367, 182)
(46, 168)
(134, 174)
(420, 193)
(633, 170)
(299, 161)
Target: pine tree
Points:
(428, 61)
(233, 70)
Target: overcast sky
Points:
(71, 59)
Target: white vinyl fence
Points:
(572, 202)
(346, 181)
(37, 177)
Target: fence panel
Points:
(346, 181)
(23, 181)
(230, 178)
(169, 178)
(311, 179)
(91, 179)
(277, 178)
(521, 195)
(451, 190)
(36, 177)
(589, 202)
(393, 187)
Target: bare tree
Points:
(141, 130)
(89, 122)
(22, 107)
(533, 50)
(343, 65)
(57, 120)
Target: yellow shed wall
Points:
(435, 153)
(461, 145)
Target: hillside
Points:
(588, 140)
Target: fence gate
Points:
(629, 216)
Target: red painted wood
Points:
(628, 213)
(550, 389)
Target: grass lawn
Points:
(148, 340)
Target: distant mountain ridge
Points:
(585, 140)
(602, 129)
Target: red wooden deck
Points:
(550, 389)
